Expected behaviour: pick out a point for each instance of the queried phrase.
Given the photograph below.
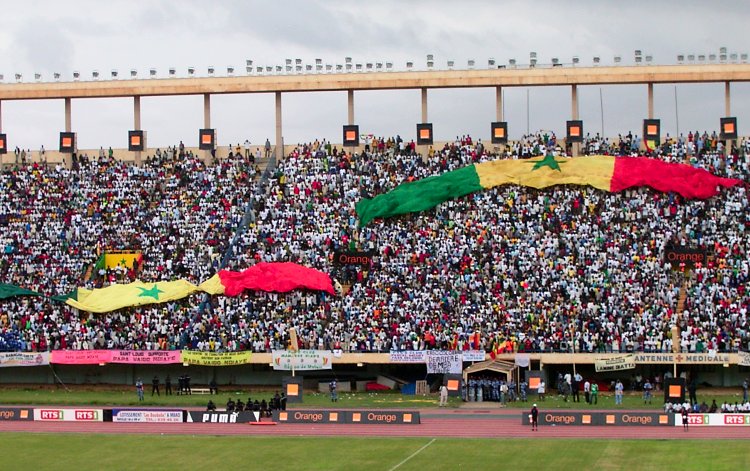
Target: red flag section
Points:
(688, 181)
(278, 277)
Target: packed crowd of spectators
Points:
(510, 268)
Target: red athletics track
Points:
(435, 423)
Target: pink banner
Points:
(152, 357)
(81, 357)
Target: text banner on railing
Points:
(150, 357)
(302, 360)
(190, 357)
(81, 357)
(23, 359)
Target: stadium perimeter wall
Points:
(721, 370)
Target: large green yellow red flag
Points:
(606, 173)
(118, 296)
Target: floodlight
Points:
(450, 64)
(76, 75)
(712, 57)
(38, 77)
(597, 59)
(95, 75)
(618, 59)
(389, 65)
(211, 71)
(230, 71)
(114, 74)
(409, 65)
(133, 73)
(19, 77)
(191, 71)
(576, 60)
(470, 63)
(172, 71)
(152, 73)
(490, 63)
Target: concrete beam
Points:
(424, 105)
(539, 76)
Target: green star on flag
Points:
(153, 292)
(547, 161)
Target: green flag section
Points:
(64, 297)
(420, 195)
(606, 173)
(10, 291)
(115, 297)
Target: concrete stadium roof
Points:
(523, 77)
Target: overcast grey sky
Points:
(53, 36)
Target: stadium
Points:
(376, 300)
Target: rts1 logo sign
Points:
(736, 419)
(54, 414)
(86, 415)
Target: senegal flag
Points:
(115, 297)
(279, 277)
(603, 172)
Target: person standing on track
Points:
(534, 416)
(685, 416)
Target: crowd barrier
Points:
(714, 420)
(138, 415)
(601, 418)
(316, 416)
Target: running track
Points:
(440, 423)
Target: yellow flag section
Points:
(115, 297)
(595, 171)
(215, 359)
(212, 285)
